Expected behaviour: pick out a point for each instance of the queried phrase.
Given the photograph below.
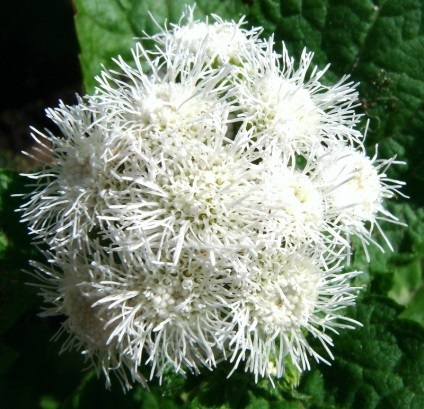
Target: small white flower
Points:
(202, 210)
(356, 188)
(64, 204)
(223, 41)
(180, 94)
(289, 295)
(296, 205)
(294, 109)
(71, 286)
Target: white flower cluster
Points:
(202, 210)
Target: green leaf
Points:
(108, 28)
(407, 279)
(103, 32)
(415, 309)
(380, 365)
(397, 274)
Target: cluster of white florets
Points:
(201, 211)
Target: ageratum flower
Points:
(202, 210)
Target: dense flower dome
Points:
(202, 210)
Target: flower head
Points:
(201, 211)
(356, 188)
(288, 295)
(295, 110)
(223, 41)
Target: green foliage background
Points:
(381, 365)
